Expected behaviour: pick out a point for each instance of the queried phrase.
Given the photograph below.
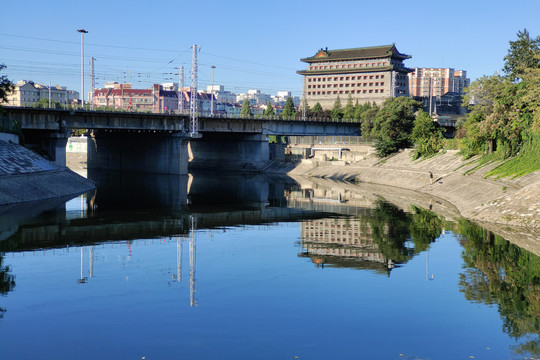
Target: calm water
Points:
(257, 268)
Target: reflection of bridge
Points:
(58, 232)
(158, 143)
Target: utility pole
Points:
(82, 31)
(181, 90)
(92, 83)
(212, 93)
(50, 105)
(194, 124)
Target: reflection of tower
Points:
(192, 249)
(427, 266)
(91, 261)
(82, 279)
(179, 259)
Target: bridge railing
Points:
(203, 114)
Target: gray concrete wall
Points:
(160, 153)
(229, 152)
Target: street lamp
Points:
(82, 31)
(212, 95)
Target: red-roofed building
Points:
(154, 99)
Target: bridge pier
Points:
(229, 151)
(148, 152)
(55, 146)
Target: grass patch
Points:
(524, 163)
(483, 161)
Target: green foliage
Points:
(349, 111)
(44, 104)
(337, 111)
(524, 53)
(497, 272)
(426, 135)
(269, 109)
(367, 118)
(505, 115)
(527, 161)
(6, 86)
(288, 110)
(317, 109)
(246, 109)
(393, 125)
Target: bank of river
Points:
(26, 176)
(509, 202)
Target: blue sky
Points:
(253, 44)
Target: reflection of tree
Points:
(425, 227)
(392, 228)
(498, 272)
(7, 282)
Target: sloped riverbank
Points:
(511, 202)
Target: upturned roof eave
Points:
(355, 70)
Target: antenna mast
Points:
(92, 83)
(181, 90)
(194, 124)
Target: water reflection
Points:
(378, 240)
(341, 226)
(7, 281)
(500, 273)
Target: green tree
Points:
(426, 135)
(6, 86)
(348, 111)
(269, 109)
(44, 103)
(359, 110)
(524, 53)
(367, 117)
(304, 108)
(337, 111)
(288, 110)
(246, 109)
(393, 125)
(317, 109)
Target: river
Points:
(257, 267)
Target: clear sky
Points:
(252, 44)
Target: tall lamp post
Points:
(82, 31)
(212, 95)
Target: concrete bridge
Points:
(162, 143)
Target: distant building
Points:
(425, 82)
(27, 93)
(369, 74)
(222, 96)
(123, 96)
(254, 96)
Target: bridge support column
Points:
(55, 146)
(229, 151)
(149, 152)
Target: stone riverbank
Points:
(507, 202)
(26, 176)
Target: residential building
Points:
(254, 96)
(426, 82)
(368, 74)
(27, 93)
(221, 95)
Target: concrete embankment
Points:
(26, 176)
(512, 202)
